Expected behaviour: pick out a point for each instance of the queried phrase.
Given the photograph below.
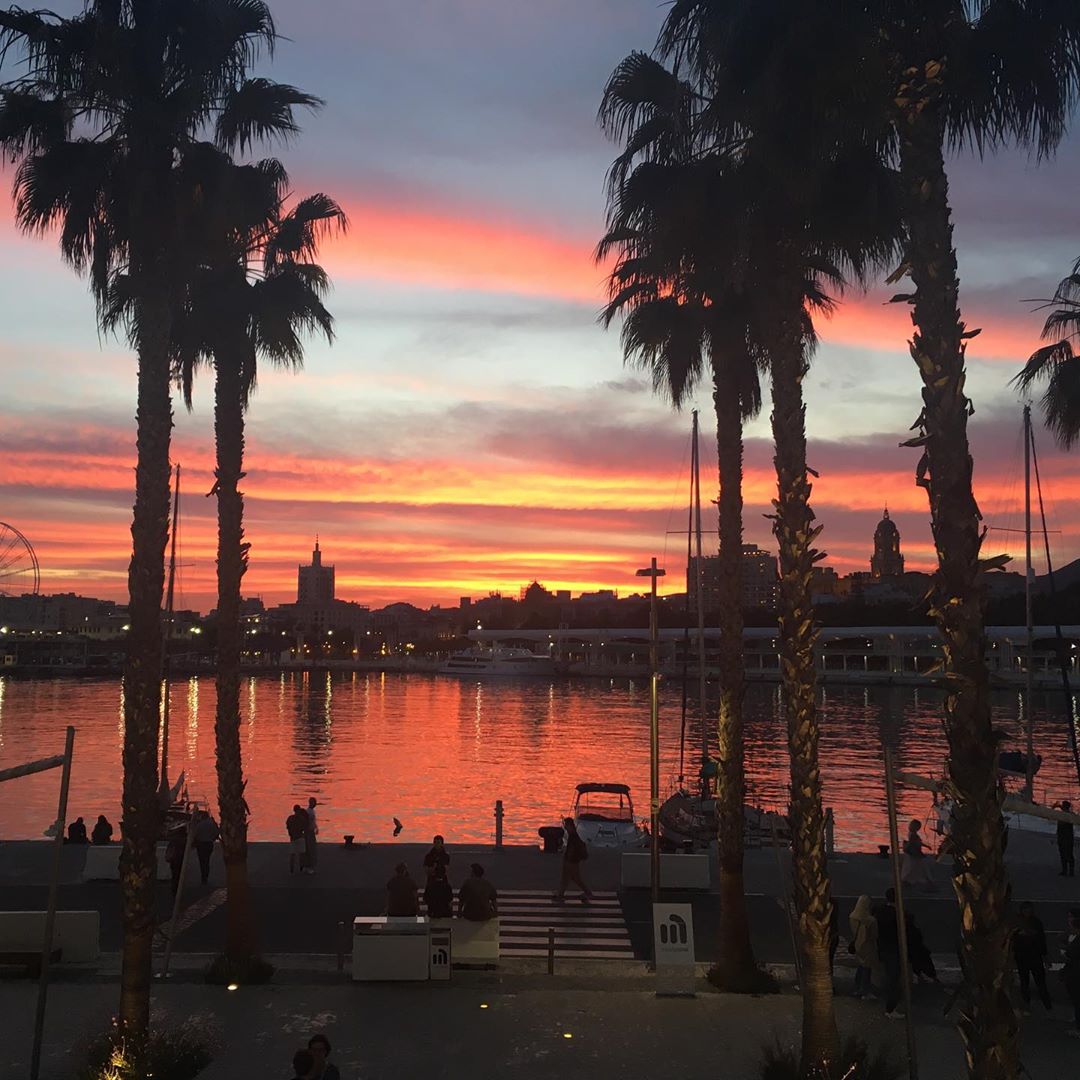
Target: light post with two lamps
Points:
(654, 573)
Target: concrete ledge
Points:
(77, 934)
(676, 871)
(472, 942)
(103, 863)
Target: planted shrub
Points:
(169, 1053)
(250, 971)
(854, 1063)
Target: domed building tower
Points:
(886, 562)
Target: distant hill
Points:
(1064, 578)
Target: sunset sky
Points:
(473, 428)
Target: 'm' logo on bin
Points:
(673, 931)
(439, 957)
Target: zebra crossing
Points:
(594, 931)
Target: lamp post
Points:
(654, 573)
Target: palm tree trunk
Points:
(988, 1026)
(736, 967)
(795, 533)
(141, 815)
(232, 563)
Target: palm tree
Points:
(1058, 364)
(681, 321)
(253, 294)
(105, 102)
(915, 77)
(812, 215)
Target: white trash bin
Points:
(391, 949)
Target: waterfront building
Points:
(760, 579)
(886, 562)
(315, 582)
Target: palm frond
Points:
(259, 110)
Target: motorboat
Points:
(688, 821)
(1015, 762)
(604, 815)
(498, 660)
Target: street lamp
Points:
(654, 734)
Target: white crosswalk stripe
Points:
(594, 931)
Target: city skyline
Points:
(473, 428)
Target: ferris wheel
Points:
(19, 570)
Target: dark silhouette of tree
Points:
(104, 103)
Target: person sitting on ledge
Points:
(477, 900)
(103, 831)
(77, 832)
(439, 894)
(401, 901)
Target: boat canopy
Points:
(611, 789)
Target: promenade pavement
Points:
(299, 915)
(484, 1028)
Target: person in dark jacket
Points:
(919, 958)
(206, 834)
(439, 895)
(1029, 951)
(77, 832)
(575, 854)
(1066, 840)
(436, 857)
(303, 1064)
(401, 901)
(1070, 972)
(174, 856)
(889, 952)
(103, 831)
(477, 899)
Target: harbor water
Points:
(436, 752)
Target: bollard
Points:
(551, 950)
(340, 947)
(830, 833)
(498, 822)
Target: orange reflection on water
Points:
(437, 752)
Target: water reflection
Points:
(437, 752)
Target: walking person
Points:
(319, 1048)
(206, 834)
(1029, 952)
(919, 958)
(296, 827)
(477, 899)
(915, 869)
(311, 832)
(1070, 972)
(888, 942)
(1066, 839)
(575, 854)
(174, 856)
(439, 895)
(863, 945)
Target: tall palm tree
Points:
(1058, 364)
(254, 294)
(683, 320)
(916, 77)
(817, 213)
(105, 101)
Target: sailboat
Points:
(1027, 762)
(688, 817)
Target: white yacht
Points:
(604, 815)
(498, 660)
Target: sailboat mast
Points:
(696, 457)
(1029, 768)
(163, 786)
